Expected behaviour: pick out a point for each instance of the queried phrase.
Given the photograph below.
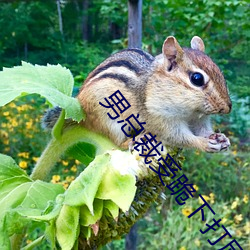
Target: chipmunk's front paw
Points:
(218, 142)
(130, 143)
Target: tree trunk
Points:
(135, 23)
(59, 16)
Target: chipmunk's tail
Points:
(50, 117)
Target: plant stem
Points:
(57, 147)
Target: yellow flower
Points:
(55, 178)
(23, 107)
(6, 149)
(197, 152)
(12, 105)
(29, 124)
(238, 218)
(6, 141)
(65, 163)
(224, 220)
(235, 203)
(4, 134)
(35, 159)
(182, 248)
(23, 164)
(70, 178)
(205, 197)
(245, 198)
(196, 187)
(24, 154)
(77, 162)
(73, 168)
(14, 123)
(187, 211)
(211, 196)
(247, 228)
(234, 152)
(6, 113)
(224, 164)
(197, 242)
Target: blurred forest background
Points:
(79, 34)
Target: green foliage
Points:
(95, 202)
(19, 198)
(169, 228)
(30, 32)
(223, 25)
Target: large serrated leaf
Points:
(21, 197)
(53, 82)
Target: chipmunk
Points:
(174, 93)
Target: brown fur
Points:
(160, 91)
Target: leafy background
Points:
(30, 31)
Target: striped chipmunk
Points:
(174, 93)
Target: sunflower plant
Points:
(100, 204)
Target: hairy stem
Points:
(57, 147)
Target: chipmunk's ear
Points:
(197, 43)
(171, 49)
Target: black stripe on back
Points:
(119, 77)
(142, 53)
(118, 63)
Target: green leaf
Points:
(118, 188)
(50, 234)
(83, 152)
(86, 218)
(50, 213)
(4, 240)
(83, 189)
(112, 207)
(67, 226)
(86, 231)
(26, 202)
(53, 82)
(6, 186)
(39, 194)
(20, 197)
(14, 198)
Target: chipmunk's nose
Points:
(226, 109)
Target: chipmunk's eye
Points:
(197, 79)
